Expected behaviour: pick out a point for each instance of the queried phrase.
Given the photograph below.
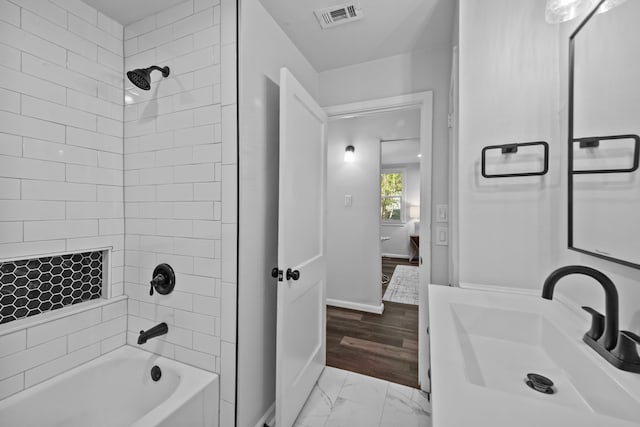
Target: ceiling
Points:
(400, 152)
(388, 27)
(128, 11)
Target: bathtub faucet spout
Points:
(156, 331)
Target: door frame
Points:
(454, 148)
(424, 102)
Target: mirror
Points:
(604, 124)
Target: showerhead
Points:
(141, 77)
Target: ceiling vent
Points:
(337, 15)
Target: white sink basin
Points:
(483, 344)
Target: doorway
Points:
(386, 342)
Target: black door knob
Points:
(276, 273)
(293, 274)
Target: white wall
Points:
(181, 186)
(514, 88)
(398, 244)
(508, 93)
(398, 75)
(60, 170)
(353, 233)
(264, 48)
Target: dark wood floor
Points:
(382, 346)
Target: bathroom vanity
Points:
(485, 343)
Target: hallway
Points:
(382, 346)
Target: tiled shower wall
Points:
(60, 170)
(180, 185)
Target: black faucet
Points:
(617, 347)
(156, 331)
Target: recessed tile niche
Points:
(33, 286)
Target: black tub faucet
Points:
(615, 346)
(156, 331)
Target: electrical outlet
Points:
(348, 200)
(442, 236)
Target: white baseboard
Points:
(570, 304)
(377, 309)
(503, 289)
(269, 417)
(404, 256)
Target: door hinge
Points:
(450, 120)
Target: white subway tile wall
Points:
(75, 160)
(34, 354)
(63, 66)
(61, 171)
(180, 145)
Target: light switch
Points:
(442, 236)
(442, 213)
(348, 199)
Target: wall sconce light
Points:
(610, 4)
(349, 154)
(558, 11)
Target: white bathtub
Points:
(117, 390)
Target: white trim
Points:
(356, 306)
(107, 255)
(536, 293)
(501, 289)
(50, 316)
(375, 106)
(454, 149)
(51, 254)
(269, 417)
(403, 256)
(424, 102)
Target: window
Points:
(391, 196)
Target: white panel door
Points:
(301, 317)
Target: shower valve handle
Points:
(157, 280)
(163, 281)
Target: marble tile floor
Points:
(347, 399)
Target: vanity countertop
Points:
(483, 344)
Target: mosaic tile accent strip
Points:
(33, 286)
